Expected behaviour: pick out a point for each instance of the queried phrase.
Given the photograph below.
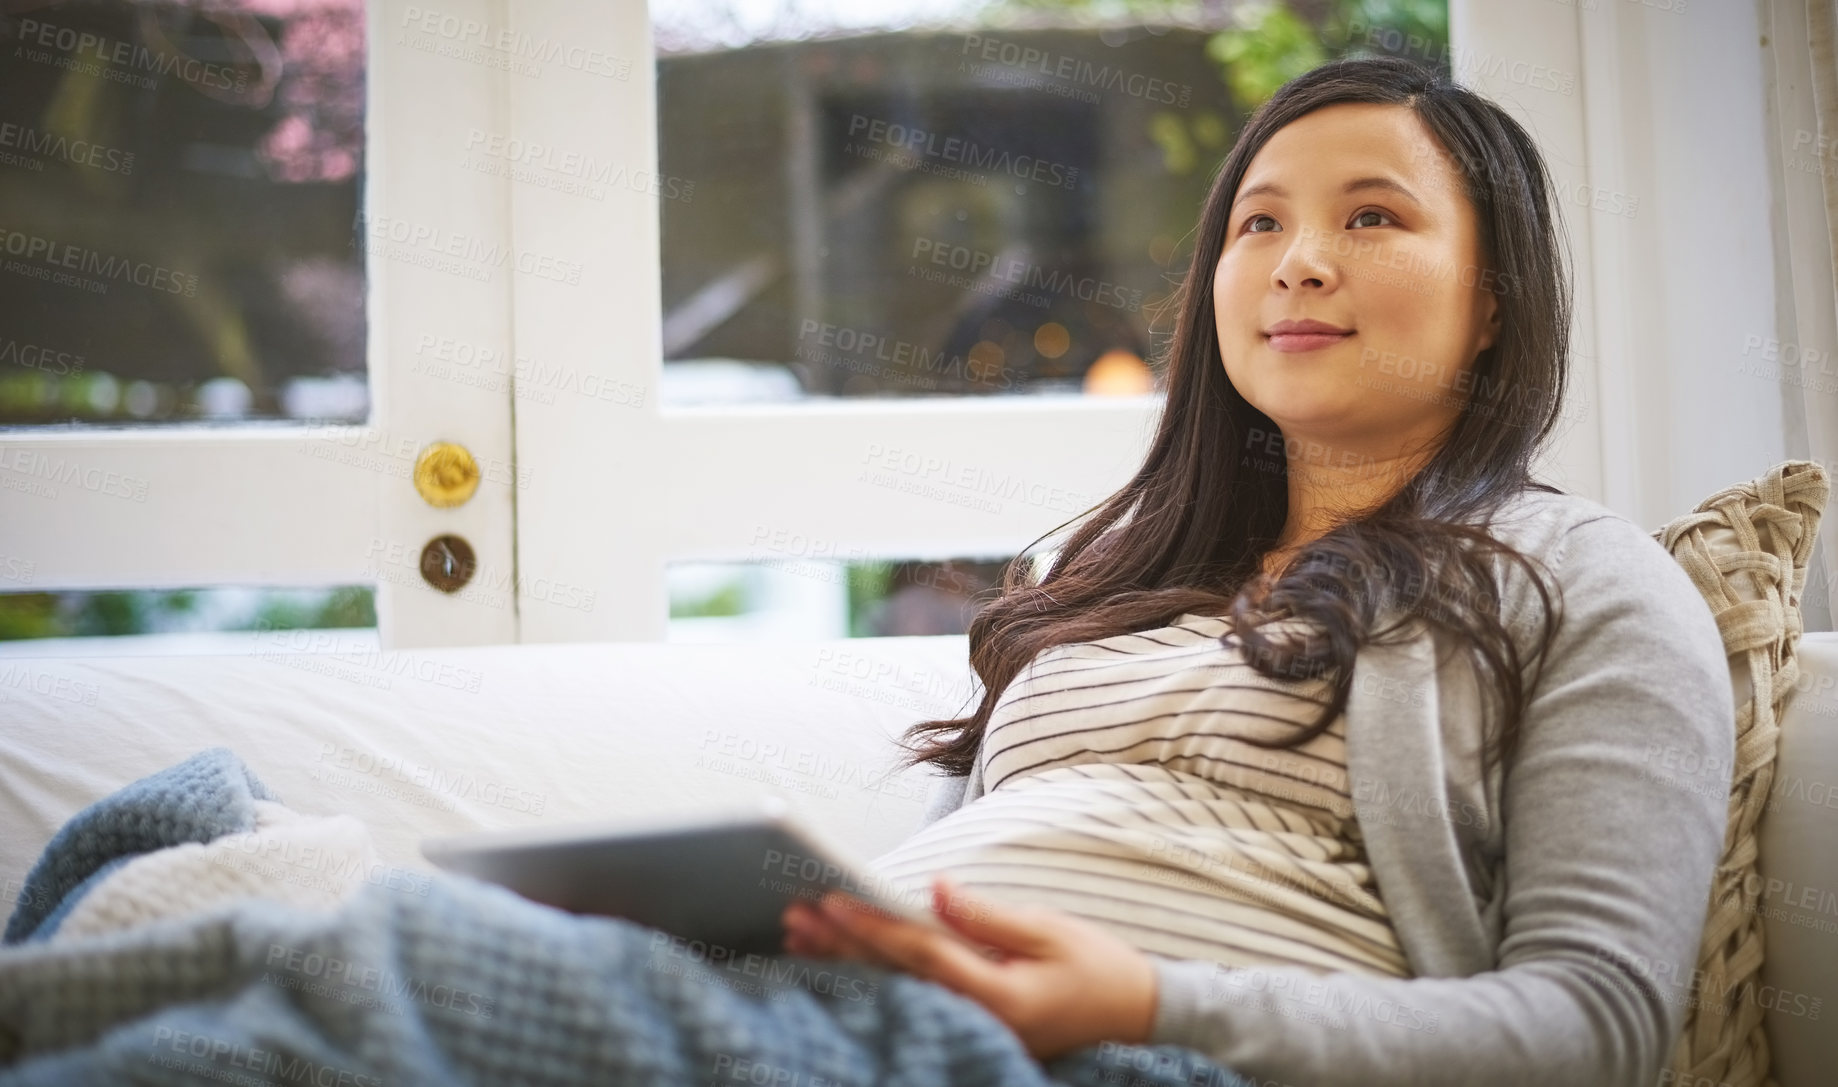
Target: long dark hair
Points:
(1190, 531)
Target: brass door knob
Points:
(446, 475)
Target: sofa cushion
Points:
(426, 742)
(1797, 875)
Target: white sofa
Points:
(428, 742)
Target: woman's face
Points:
(1396, 261)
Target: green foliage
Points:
(1099, 10)
(141, 611)
(83, 615)
(1422, 28)
(729, 600)
(21, 393)
(29, 615)
(110, 613)
(349, 606)
(868, 582)
(1187, 139)
(345, 606)
(1269, 46)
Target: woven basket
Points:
(1746, 548)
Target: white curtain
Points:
(1799, 36)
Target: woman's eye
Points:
(1250, 225)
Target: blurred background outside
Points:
(861, 199)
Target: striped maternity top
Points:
(1121, 789)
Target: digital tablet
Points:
(724, 878)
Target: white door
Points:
(299, 504)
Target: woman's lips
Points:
(1305, 341)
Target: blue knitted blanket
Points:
(455, 981)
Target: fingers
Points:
(810, 933)
(1009, 928)
(913, 948)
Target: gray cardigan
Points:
(1552, 915)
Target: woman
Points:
(1326, 746)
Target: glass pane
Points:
(178, 184)
(185, 620)
(795, 590)
(958, 197)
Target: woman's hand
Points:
(1060, 982)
